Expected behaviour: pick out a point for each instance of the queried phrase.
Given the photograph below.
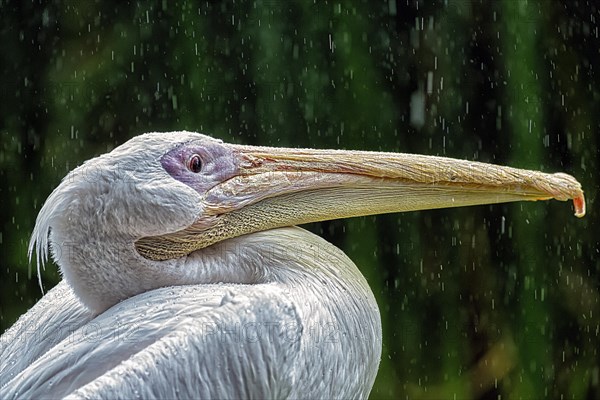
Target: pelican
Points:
(185, 277)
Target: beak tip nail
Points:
(579, 204)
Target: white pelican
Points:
(184, 278)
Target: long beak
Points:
(278, 187)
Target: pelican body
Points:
(184, 276)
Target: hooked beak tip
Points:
(579, 204)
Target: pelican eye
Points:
(195, 163)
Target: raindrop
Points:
(429, 82)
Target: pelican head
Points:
(140, 217)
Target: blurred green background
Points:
(482, 302)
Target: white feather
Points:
(285, 276)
